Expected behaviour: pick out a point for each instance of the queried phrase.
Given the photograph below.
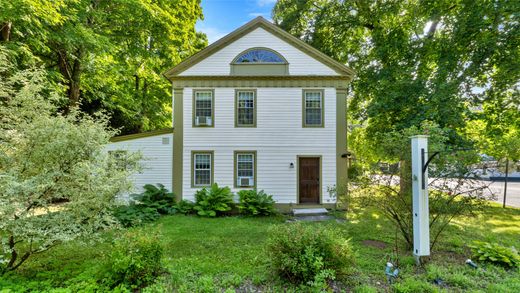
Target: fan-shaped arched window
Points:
(259, 61)
(259, 55)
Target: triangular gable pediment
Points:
(249, 27)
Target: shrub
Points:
(158, 198)
(147, 206)
(134, 215)
(185, 207)
(135, 260)
(213, 201)
(495, 253)
(301, 253)
(255, 203)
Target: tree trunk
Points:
(71, 71)
(5, 32)
(405, 180)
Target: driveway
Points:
(513, 193)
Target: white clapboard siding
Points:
(299, 62)
(157, 159)
(278, 139)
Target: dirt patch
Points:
(375, 243)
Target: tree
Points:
(108, 55)
(45, 156)
(416, 60)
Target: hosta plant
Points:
(495, 253)
(213, 201)
(255, 203)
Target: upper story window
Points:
(259, 55)
(203, 108)
(245, 108)
(312, 108)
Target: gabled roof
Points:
(340, 68)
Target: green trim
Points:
(298, 176)
(340, 68)
(178, 144)
(304, 113)
(254, 107)
(235, 175)
(194, 91)
(311, 81)
(193, 153)
(141, 135)
(341, 140)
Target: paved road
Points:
(513, 193)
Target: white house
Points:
(261, 109)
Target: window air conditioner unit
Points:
(202, 121)
(245, 181)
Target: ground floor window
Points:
(202, 168)
(245, 169)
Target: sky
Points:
(224, 16)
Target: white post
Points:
(421, 213)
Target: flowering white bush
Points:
(46, 156)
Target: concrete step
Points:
(314, 218)
(310, 212)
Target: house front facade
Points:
(260, 109)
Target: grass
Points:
(209, 255)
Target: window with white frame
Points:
(313, 108)
(245, 111)
(245, 169)
(203, 108)
(202, 169)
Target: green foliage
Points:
(454, 192)
(307, 254)
(255, 203)
(135, 260)
(44, 156)
(134, 215)
(495, 253)
(213, 201)
(414, 285)
(107, 55)
(156, 197)
(185, 207)
(147, 206)
(417, 60)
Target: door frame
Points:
(320, 159)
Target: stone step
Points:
(309, 212)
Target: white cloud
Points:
(263, 3)
(262, 14)
(212, 33)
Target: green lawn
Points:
(208, 255)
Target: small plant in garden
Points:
(147, 206)
(135, 260)
(213, 201)
(156, 197)
(304, 254)
(255, 203)
(133, 215)
(495, 253)
(185, 207)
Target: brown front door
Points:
(309, 181)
